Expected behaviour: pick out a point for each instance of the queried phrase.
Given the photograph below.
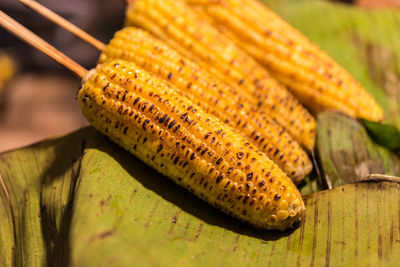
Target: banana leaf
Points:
(80, 200)
(346, 152)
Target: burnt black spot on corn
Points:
(193, 36)
(163, 147)
(234, 107)
(312, 75)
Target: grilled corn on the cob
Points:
(170, 133)
(228, 104)
(181, 27)
(313, 77)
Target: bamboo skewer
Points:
(32, 39)
(52, 16)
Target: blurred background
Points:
(37, 96)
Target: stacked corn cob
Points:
(192, 35)
(313, 77)
(205, 130)
(228, 104)
(196, 150)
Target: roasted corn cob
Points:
(181, 27)
(228, 104)
(313, 77)
(181, 141)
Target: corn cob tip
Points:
(287, 215)
(375, 113)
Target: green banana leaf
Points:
(80, 200)
(346, 152)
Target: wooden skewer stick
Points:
(52, 16)
(32, 39)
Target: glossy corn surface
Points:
(312, 76)
(185, 31)
(231, 106)
(194, 149)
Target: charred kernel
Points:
(219, 178)
(204, 151)
(262, 183)
(240, 155)
(227, 184)
(249, 176)
(177, 128)
(124, 95)
(247, 186)
(136, 100)
(145, 124)
(163, 118)
(151, 107)
(245, 199)
(219, 161)
(192, 156)
(170, 76)
(160, 147)
(172, 124)
(184, 115)
(176, 160)
(277, 197)
(167, 120)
